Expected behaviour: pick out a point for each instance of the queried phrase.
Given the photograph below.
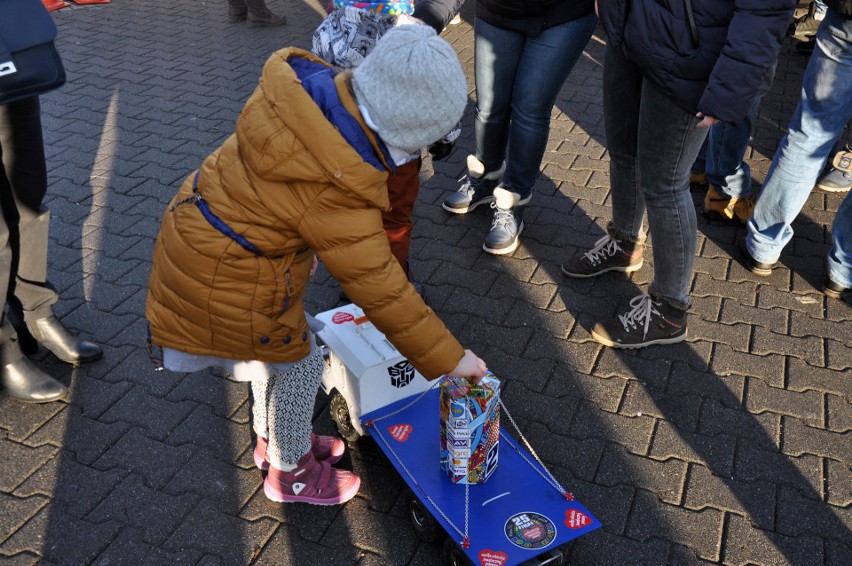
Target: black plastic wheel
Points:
(425, 525)
(342, 418)
(453, 555)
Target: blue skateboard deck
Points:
(513, 517)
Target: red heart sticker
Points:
(492, 557)
(400, 432)
(341, 317)
(576, 519)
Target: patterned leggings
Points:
(284, 406)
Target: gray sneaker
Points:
(477, 188)
(838, 179)
(507, 225)
(606, 255)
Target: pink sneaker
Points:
(324, 448)
(311, 482)
(327, 448)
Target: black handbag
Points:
(29, 62)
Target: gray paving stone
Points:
(60, 538)
(129, 547)
(749, 545)
(78, 487)
(700, 531)
(806, 406)
(152, 511)
(223, 536)
(663, 478)
(799, 438)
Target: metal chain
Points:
(549, 477)
(401, 409)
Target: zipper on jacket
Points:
(291, 290)
(693, 30)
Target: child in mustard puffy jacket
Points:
(305, 172)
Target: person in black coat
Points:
(673, 68)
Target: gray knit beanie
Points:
(412, 86)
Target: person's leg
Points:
(496, 56)
(544, 66)
(403, 187)
(30, 296)
(295, 474)
(838, 178)
(839, 261)
(259, 15)
(324, 448)
(729, 190)
(622, 247)
(823, 110)
(237, 11)
(546, 61)
(26, 171)
(622, 97)
(668, 142)
(19, 377)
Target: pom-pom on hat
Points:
(412, 86)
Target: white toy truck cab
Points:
(365, 372)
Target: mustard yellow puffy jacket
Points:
(290, 184)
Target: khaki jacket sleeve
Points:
(349, 239)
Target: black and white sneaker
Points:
(606, 255)
(649, 321)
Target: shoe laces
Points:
(603, 248)
(468, 185)
(503, 217)
(641, 311)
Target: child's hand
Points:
(470, 367)
(314, 265)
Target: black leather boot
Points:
(24, 381)
(237, 11)
(64, 345)
(259, 16)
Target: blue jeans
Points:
(517, 81)
(839, 261)
(652, 143)
(721, 156)
(824, 109)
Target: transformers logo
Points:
(401, 373)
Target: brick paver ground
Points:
(733, 448)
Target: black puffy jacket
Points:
(707, 55)
(531, 17)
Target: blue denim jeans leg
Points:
(726, 145)
(824, 108)
(517, 81)
(652, 143)
(840, 256)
